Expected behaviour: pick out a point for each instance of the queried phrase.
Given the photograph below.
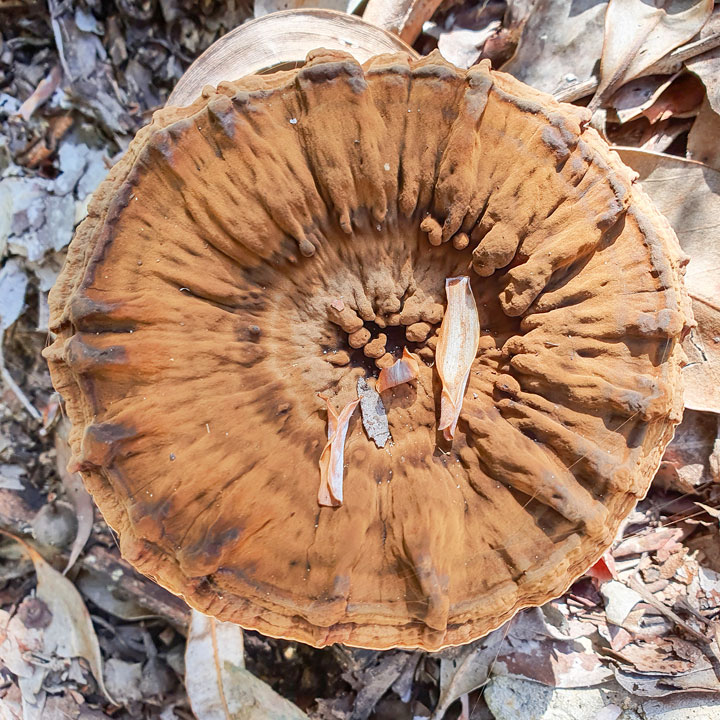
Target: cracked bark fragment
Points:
(374, 417)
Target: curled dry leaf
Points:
(333, 455)
(456, 350)
(688, 194)
(218, 685)
(638, 33)
(401, 371)
(462, 46)
(634, 97)
(680, 99)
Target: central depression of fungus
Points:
(289, 234)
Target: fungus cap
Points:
(243, 256)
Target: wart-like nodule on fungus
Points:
(234, 264)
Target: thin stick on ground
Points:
(12, 385)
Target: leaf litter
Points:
(641, 641)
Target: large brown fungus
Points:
(249, 247)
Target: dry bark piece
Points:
(402, 371)
(374, 417)
(226, 199)
(456, 350)
(332, 460)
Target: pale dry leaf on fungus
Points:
(688, 195)
(401, 371)
(332, 459)
(638, 33)
(218, 685)
(456, 349)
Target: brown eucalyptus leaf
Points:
(665, 133)
(462, 46)
(688, 459)
(703, 142)
(637, 95)
(42, 92)
(70, 632)
(405, 18)
(640, 32)
(456, 349)
(265, 7)
(701, 678)
(559, 45)
(688, 194)
(680, 99)
(218, 685)
(707, 68)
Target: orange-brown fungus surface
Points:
(288, 234)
